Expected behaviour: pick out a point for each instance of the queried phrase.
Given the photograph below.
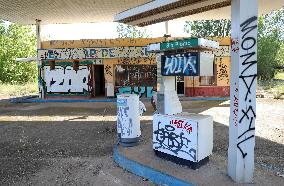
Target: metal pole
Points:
(167, 27)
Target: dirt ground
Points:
(72, 143)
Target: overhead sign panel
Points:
(179, 44)
(185, 64)
(187, 43)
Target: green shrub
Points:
(17, 41)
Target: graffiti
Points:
(251, 127)
(248, 117)
(244, 154)
(124, 123)
(182, 124)
(175, 136)
(150, 91)
(108, 70)
(248, 83)
(136, 61)
(135, 75)
(100, 42)
(66, 80)
(180, 65)
(93, 53)
(124, 90)
(223, 51)
(168, 139)
(61, 43)
(236, 106)
(235, 45)
(222, 73)
(141, 91)
(121, 102)
(98, 62)
(247, 80)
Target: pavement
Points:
(212, 173)
(72, 144)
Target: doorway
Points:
(99, 82)
(180, 85)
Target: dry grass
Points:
(279, 75)
(18, 90)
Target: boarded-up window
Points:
(209, 80)
(136, 75)
(206, 80)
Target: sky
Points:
(105, 30)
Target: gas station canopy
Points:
(64, 11)
(126, 11)
(164, 10)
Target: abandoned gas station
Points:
(115, 66)
(164, 66)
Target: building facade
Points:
(109, 67)
(217, 85)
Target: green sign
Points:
(179, 44)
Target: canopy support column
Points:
(167, 27)
(39, 62)
(243, 90)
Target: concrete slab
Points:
(213, 173)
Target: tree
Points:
(208, 28)
(270, 37)
(129, 31)
(280, 57)
(16, 42)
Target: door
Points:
(99, 80)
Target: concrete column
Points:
(167, 98)
(38, 32)
(243, 90)
(39, 62)
(167, 27)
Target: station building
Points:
(109, 67)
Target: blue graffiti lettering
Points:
(141, 91)
(180, 65)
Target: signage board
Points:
(93, 53)
(184, 64)
(179, 44)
